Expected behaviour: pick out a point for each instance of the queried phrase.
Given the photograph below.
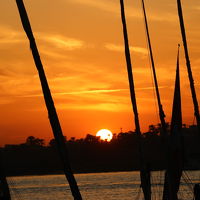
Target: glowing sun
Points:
(105, 134)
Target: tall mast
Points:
(161, 112)
(144, 172)
(4, 189)
(190, 76)
(53, 117)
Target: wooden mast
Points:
(53, 117)
(161, 112)
(4, 189)
(190, 76)
(144, 172)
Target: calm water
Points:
(96, 186)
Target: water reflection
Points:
(98, 186)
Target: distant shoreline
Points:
(90, 155)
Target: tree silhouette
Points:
(91, 139)
(52, 142)
(32, 141)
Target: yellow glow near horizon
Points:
(105, 134)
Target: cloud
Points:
(4, 101)
(10, 36)
(111, 6)
(4, 72)
(78, 92)
(120, 48)
(96, 91)
(101, 107)
(51, 53)
(63, 42)
(151, 88)
(196, 8)
(103, 5)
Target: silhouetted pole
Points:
(4, 189)
(175, 146)
(144, 173)
(53, 118)
(161, 112)
(194, 97)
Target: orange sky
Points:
(81, 46)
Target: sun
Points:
(105, 134)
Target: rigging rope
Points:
(186, 194)
(188, 180)
(154, 90)
(17, 194)
(158, 185)
(151, 71)
(138, 193)
(161, 182)
(194, 119)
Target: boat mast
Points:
(190, 76)
(4, 189)
(144, 172)
(161, 112)
(53, 117)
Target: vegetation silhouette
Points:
(90, 154)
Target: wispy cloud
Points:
(4, 101)
(10, 36)
(64, 42)
(196, 8)
(120, 48)
(93, 91)
(114, 107)
(110, 6)
(103, 5)
(97, 91)
(51, 53)
(114, 7)
(150, 88)
(4, 72)
(78, 92)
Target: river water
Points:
(95, 186)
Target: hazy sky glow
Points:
(81, 46)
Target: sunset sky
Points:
(81, 46)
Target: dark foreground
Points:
(92, 155)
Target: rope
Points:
(188, 180)
(151, 72)
(138, 194)
(153, 183)
(160, 192)
(189, 185)
(194, 120)
(158, 184)
(17, 194)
